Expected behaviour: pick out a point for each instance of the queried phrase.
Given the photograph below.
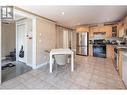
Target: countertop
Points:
(122, 47)
(125, 54)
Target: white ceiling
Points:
(75, 15)
(18, 16)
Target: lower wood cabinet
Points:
(120, 63)
(110, 51)
(90, 50)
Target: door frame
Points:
(17, 54)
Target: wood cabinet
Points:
(106, 29)
(82, 29)
(90, 50)
(91, 33)
(122, 26)
(120, 63)
(121, 29)
(95, 29)
(110, 51)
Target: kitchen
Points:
(108, 40)
(100, 41)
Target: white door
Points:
(21, 41)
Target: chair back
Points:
(60, 59)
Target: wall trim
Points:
(29, 65)
(17, 8)
(41, 65)
(34, 30)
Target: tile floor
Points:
(90, 73)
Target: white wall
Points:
(45, 39)
(62, 37)
(8, 38)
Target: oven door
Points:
(99, 51)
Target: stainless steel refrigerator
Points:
(82, 43)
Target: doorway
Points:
(16, 46)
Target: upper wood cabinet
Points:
(121, 29)
(92, 30)
(82, 29)
(106, 29)
(95, 29)
(125, 21)
(122, 26)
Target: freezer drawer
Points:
(82, 51)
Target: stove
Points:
(99, 48)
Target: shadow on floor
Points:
(15, 69)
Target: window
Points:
(6, 12)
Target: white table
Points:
(61, 51)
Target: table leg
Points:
(50, 64)
(72, 62)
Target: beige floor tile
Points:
(98, 79)
(96, 85)
(20, 87)
(89, 73)
(10, 84)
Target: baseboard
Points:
(29, 65)
(41, 65)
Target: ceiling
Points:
(18, 16)
(71, 16)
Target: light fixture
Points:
(108, 19)
(62, 13)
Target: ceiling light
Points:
(108, 19)
(62, 13)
